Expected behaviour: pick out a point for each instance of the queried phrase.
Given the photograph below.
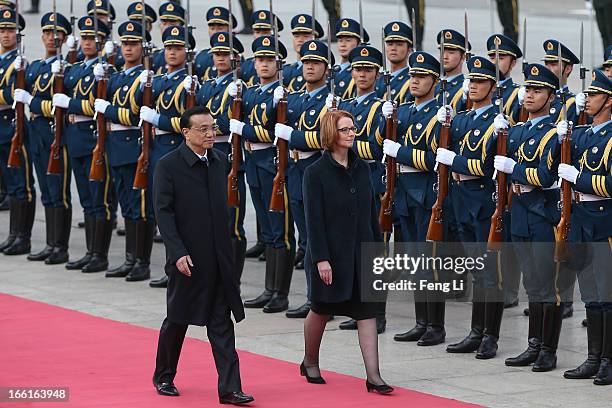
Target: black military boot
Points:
(145, 231)
(350, 324)
(34, 9)
(22, 245)
(534, 338)
(122, 270)
(238, 250)
(90, 230)
(595, 344)
(161, 282)
(435, 333)
(568, 309)
(14, 210)
(551, 330)
(261, 300)
(282, 281)
(101, 243)
(4, 202)
(420, 313)
(493, 317)
(49, 236)
(604, 375)
(255, 250)
(63, 224)
(472, 341)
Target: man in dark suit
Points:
(190, 199)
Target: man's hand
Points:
(56, 67)
(521, 94)
(236, 126)
(99, 71)
(183, 265)
(445, 156)
(580, 102)
(387, 109)
(466, 88)
(61, 100)
(71, 42)
(568, 172)
(144, 76)
(279, 93)
(500, 123)
(23, 96)
(190, 80)
(232, 88)
(100, 105)
(504, 164)
(443, 111)
(330, 100)
(562, 128)
(148, 114)
(325, 272)
(390, 148)
(109, 47)
(283, 131)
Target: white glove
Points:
(22, 96)
(466, 88)
(562, 130)
(98, 71)
(144, 75)
(580, 102)
(56, 67)
(500, 122)
(568, 172)
(100, 105)
(109, 48)
(441, 115)
(521, 94)
(281, 130)
(189, 80)
(71, 42)
(236, 126)
(504, 164)
(390, 148)
(445, 156)
(61, 100)
(232, 89)
(279, 93)
(19, 62)
(387, 110)
(330, 99)
(148, 114)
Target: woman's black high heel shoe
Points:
(381, 389)
(312, 380)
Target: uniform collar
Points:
(362, 98)
(6, 54)
(50, 59)
(538, 120)
(90, 62)
(597, 128)
(450, 79)
(264, 88)
(316, 91)
(130, 70)
(172, 74)
(220, 79)
(398, 72)
(504, 81)
(420, 106)
(482, 110)
(344, 66)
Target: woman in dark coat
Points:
(340, 215)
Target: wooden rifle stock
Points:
(523, 114)
(385, 218)
(496, 231)
(97, 171)
(582, 118)
(71, 57)
(14, 159)
(190, 97)
(435, 230)
(141, 180)
(561, 253)
(55, 166)
(233, 198)
(277, 201)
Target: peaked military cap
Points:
(539, 76)
(132, 31)
(453, 39)
(220, 15)
(600, 83)
(175, 35)
(423, 63)
(551, 48)
(220, 42)
(87, 26)
(302, 23)
(261, 21)
(365, 56)
(264, 47)
(608, 56)
(172, 11)
(63, 25)
(102, 8)
(398, 31)
(505, 44)
(7, 19)
(481, 68)
(134, 12)
(350, 28)
(315, 50)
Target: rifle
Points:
(313, 24)
(97, 171)
(414, 34)
(385, 217)
(361, 35)
(468, 55)
(582, 118)
(141, 178)
(111, 58)
(523, 114)
(565, 203)
(55, 166)
(233, 196)
(331, 70)
(71, 57)
(277, 201)
(435, 230)
(14, 159)
(496, 231)
(191, 93)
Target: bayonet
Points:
(279, 62)
(330, 67)
(468, 53)
(313, 22)
(497, 78)
(525, 63)
(414, 31)
(361, 34)
(583, 69)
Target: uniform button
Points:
(482, 186)
(91, 126)
(352, 190)
(600, 208)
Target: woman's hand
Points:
(325, 272)
(183, 265)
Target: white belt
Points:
(369, 161)
(5, 107)
(260, 146)
(222, 139)
(159, 132)
(554, 186)
(299, 155)
(114, 127)
(579, 197)
(72, 118)
(522, 188)
(403, 168)
(464, 177)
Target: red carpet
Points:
(109, 364)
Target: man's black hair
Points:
(196, 110)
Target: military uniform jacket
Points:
(204, 66)
(259, 114)
(248, 73)
(304, 114)
(122, 144)
(536, 152)
(215, 97)
(400, 87)
(512, 108)
(345, 86)
(293, 79)
(454, 93)
(556, 108)
(7, 86)
(158, 61)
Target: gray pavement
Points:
(430, 370)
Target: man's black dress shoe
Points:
(300, 312)
(167, 389)
(160, 282)
(236, 398)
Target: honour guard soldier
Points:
(304, 112)
(398, 45)
(301, 30)
(170, 14)
(80, 138)
(470, 158)
(122, 110)
(18, 179)
(509, 53)
(134, 13)
(415, 194)
(551, 59)
(54, 188)
(454, 56)
(214, 95)
(607, 64)
(591, 224)
(508, 12)
(533, 157)
(259, 111)
(261, 26)
(218, 19)
(349, 36)
(101, 9)
(169, 98)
